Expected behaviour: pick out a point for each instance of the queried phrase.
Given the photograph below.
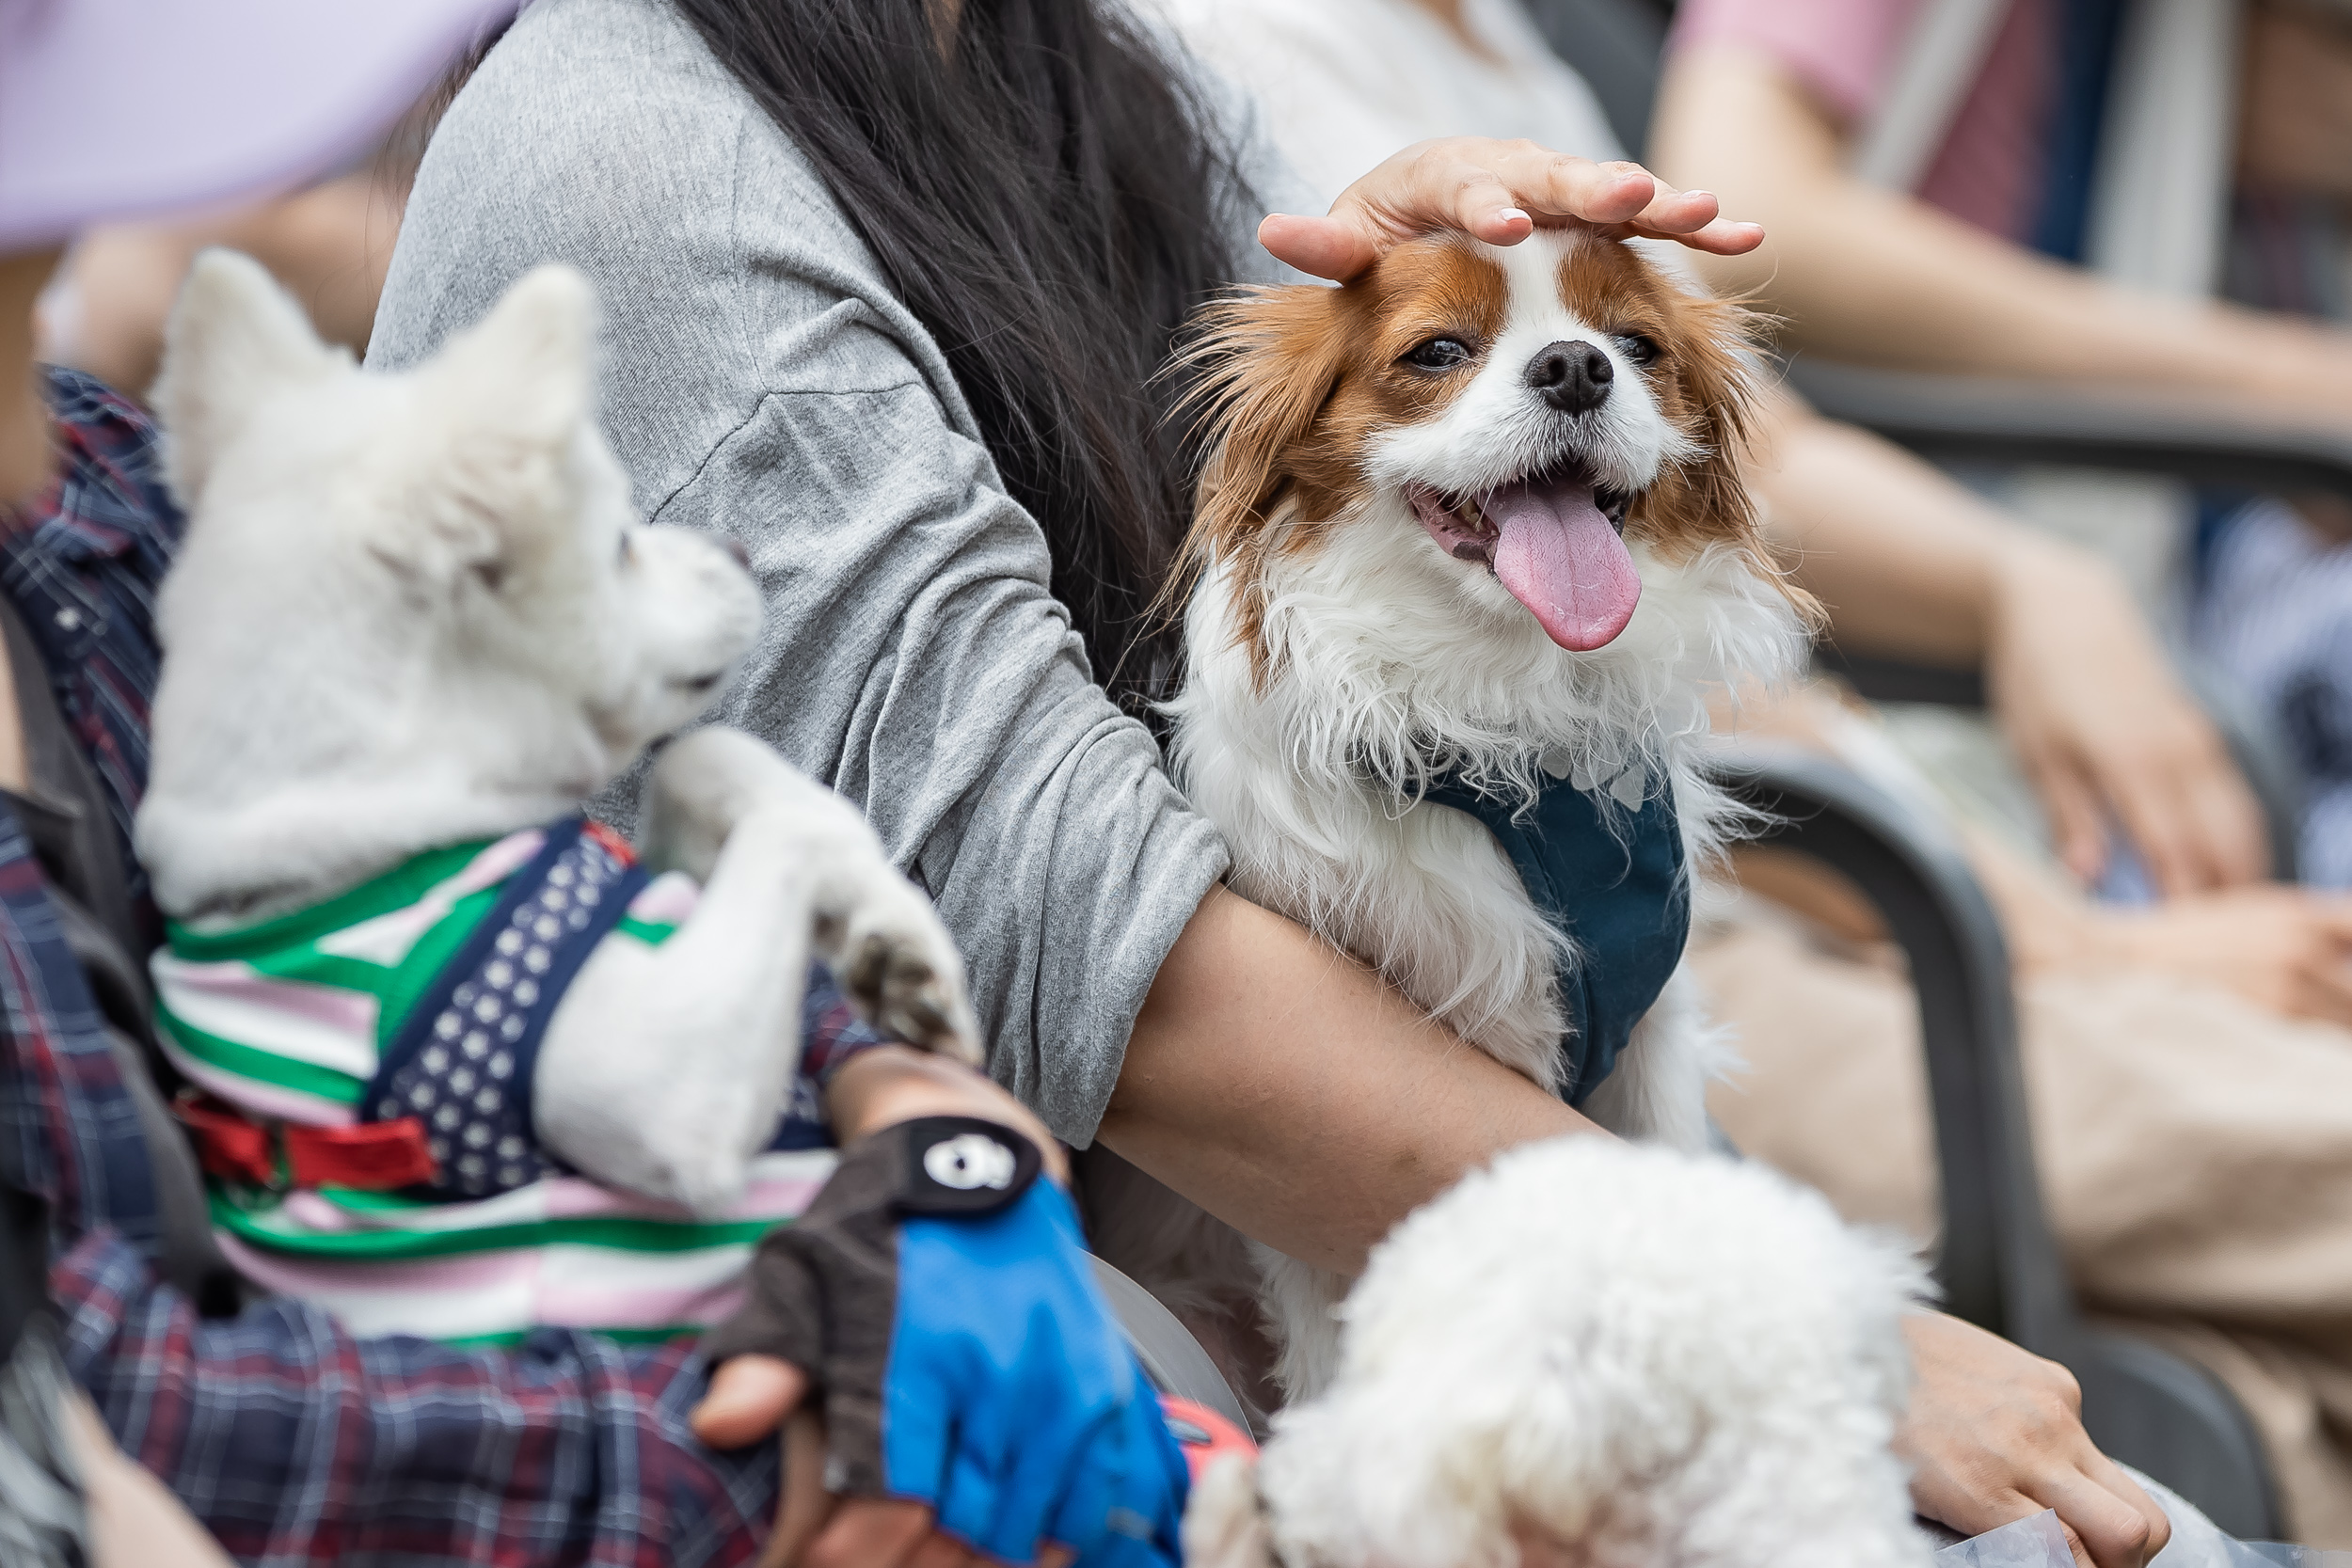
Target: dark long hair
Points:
(1043, 193)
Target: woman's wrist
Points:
(889, 1084)
(2296, 369)
(2027, 574)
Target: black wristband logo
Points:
(963, 1165)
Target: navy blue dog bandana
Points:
(1612, 881)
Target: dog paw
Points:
(702, 784)
(885, 945)
(901, 971)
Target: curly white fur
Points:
(1599, 1354)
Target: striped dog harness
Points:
(366, 1067)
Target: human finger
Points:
(749, 1397)
(1494, 191)
(1556, 185)
(2323, 991)
(2111, 1530)
(2230, 821)
(1056, 1556)
(2334, 912)
(1553, 184)
(2155, 822)
(802, 1504)
(2117, 1481)
(941, 1551)
(2197, 795)
(2076, 828)
(871, 1532)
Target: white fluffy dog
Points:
(419, 610)
(1599, 1355)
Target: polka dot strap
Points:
(461, 1066)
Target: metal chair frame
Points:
(1998, 1265)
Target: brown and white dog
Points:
(1478, 512)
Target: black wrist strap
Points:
(959, 1164)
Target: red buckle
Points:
(227, 1145)
(1203, 1435)
(375, 1157)
(615, 844)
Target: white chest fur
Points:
(1310, 754)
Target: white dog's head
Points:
(1603, 1355)
(410, 606)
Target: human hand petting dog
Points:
(977, 1400)
(1994, 1434)
(1496, 191)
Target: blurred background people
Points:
(2223, 1221)
(1907, 563)
(2058, 191)
(105, 310)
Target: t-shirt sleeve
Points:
(761, 380)
(1843, 52)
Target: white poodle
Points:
(1602, 1355)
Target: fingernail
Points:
(1510, 215)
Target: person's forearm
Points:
(1874, 276)
(1285, 1090)
(1907, 563)
(25, 449)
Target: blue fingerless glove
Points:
(940, 1298)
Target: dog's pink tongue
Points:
(1559, 557)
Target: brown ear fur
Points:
(1713, 345)
(1267, 361)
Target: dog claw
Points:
(896, 980)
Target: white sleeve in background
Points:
(1343, 84)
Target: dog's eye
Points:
(1637, 347)
(1440, 353)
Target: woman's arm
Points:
(1875, 276)
(1910, 565)
(1285, 1090)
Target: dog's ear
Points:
(1265, 362)
(523, 372)
(1224, 1528)
(1715, 348)
(511, 394)
(234, 337)
(1703, 499)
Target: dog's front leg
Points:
(665, 1067)
(884, 942)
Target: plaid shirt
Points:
(291, 1441)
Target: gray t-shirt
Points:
(761, 380)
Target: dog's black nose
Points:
(734, 547)
(1572, 378)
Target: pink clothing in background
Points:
(1845, 53)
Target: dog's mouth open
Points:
(1555, 541)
